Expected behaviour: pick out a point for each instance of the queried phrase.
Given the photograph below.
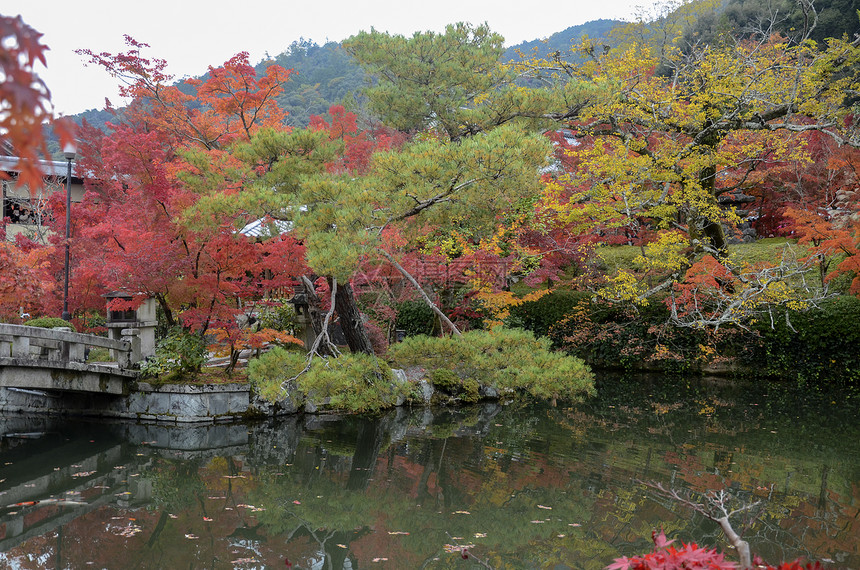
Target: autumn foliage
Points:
(667, 556)
(25, 101)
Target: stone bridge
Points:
(55, 359)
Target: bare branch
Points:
(715, 509)
(421, 291)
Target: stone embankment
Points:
(187, 403)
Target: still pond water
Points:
(519, 486)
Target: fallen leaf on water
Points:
(450, 548)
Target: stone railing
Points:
(62, 345)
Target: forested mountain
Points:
(793, 19)
(561, 41)
(325, 74)
(322, 76)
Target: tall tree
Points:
(159, 219)
(667, 147)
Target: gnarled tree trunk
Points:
(350, 320)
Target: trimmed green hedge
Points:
(416, 317)
(541, 315)
(821, 344)
(824, 345)
(509, 360)
(351, 382)
(49, 323)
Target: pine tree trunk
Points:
(350, 320)
(316, 315)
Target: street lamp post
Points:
(69, 153)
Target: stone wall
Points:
(168, 403)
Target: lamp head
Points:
(69, 151)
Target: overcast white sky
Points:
(193, 35)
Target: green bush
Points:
(611, 335)
(273, 369)
(98, 354)
(541, 315)
(822, 347)
(177, 354)
(466, 389)
(49, 323)
(416, 317)
(279, 317)
(509, 360)
(351, 382)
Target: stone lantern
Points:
(138, 322)
(304, 325)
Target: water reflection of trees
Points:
(501, 475)
(527, 486)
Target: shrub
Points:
(351, 382)
(99, 355)
(505, 359)
(823, 344)
(49, 323)
(280, 316)
(268, 373)
(416, 317)
(540, 315)
(466, 389)
(180, 352)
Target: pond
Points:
(518, 486)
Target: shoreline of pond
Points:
(192, 403)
